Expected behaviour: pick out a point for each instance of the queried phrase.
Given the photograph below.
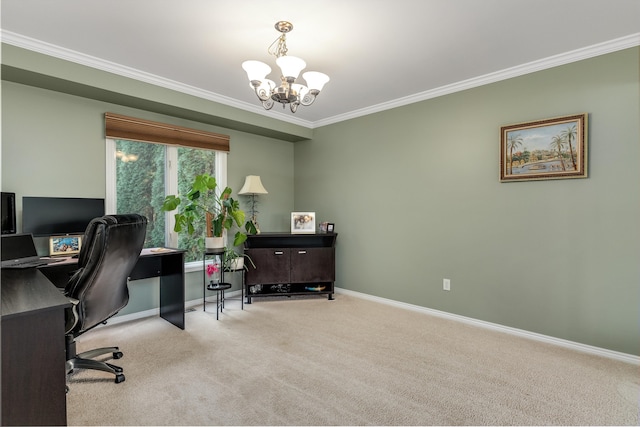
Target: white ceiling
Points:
(378, 53)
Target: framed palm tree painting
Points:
(544, 149)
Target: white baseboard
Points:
(156, 311)
(623, 357)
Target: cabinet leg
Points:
(330, 297)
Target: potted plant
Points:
(220, 211)
(233, 261)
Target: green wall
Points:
(415, 196)
(53, 144)
(413, 191)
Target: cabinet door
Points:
(312, 265)
(272, 266)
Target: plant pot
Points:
(214, 242)
(236, 264)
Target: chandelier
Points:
(289, 92)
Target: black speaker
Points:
(8, 204)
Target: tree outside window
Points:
(142, 173)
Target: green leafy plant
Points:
(230, 255)
(221, 212)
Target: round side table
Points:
(219, 289)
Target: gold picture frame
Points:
(64, 245)
(544, 149)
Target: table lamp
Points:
(253, 186)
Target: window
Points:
(140, 175)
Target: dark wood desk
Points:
(168, 265)
(33, 350)
(33, 341)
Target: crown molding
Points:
(65, 54)
(615, 45)
(28, 43)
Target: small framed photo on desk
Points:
(64, 245)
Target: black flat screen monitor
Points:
(46, 216)
(8, 203)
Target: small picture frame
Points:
(330, 227)
(303, 222)
(64, 245)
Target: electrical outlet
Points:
(446, 284)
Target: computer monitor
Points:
(8, 204)
(47, 216)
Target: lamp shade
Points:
(315, 80)
(253, 185)
(256, 70)
(291, 66)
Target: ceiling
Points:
(378, 53)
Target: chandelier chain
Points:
(280, 49)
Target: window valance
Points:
(133, 129)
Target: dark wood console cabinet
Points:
(290, 264)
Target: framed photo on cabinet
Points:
(544, 149)
(326, 227)
(303, 222)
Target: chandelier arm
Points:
(309, 97)
(267, 104)
(260, 91)
(294, 106)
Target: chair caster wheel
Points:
(117, 354)
(119, 378)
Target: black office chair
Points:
(98, 289)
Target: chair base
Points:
(84, 360)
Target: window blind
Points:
(133, 129)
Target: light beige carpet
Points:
(310, 361)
